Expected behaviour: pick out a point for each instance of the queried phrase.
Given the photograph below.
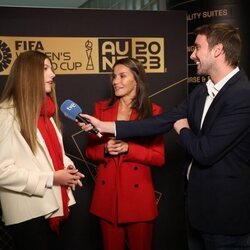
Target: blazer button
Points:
(103, 182)
(135, 168)
(136, 185)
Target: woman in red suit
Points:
(124, 198)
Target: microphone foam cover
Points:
(70, 109)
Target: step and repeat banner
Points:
(83, 45)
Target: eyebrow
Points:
(123, 72)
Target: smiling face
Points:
(48, 75)
(124, 82)
(202, 55)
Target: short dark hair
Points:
(225, 34)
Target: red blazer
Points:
(124, 190)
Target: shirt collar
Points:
(213, 89)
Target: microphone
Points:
(71, 110)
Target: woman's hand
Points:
(116, 147)
(69, 176)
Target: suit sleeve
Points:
(154, 125)
(228, 129)
(148, 151)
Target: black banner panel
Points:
(83, 45)
(202, 12)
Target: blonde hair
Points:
(25, 87)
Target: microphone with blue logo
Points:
(72, 110)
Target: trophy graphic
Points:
(88, 46)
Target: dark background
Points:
(82, 229)
(235, 12)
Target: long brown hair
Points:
(141, 102)
(25, 88)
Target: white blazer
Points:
(23, 175)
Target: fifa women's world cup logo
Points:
(88, 46)
(5, 56)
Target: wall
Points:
(65, 35)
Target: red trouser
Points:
(138, 235)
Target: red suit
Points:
(124, 191)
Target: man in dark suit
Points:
(213, 126)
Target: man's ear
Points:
(218, 49)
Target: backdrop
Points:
(201, 12)
(83, 45)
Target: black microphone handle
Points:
(94, 130)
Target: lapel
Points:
(133, 115)
(199, 102)
(218, 100)
(111, 115)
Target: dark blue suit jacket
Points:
(218, 191)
